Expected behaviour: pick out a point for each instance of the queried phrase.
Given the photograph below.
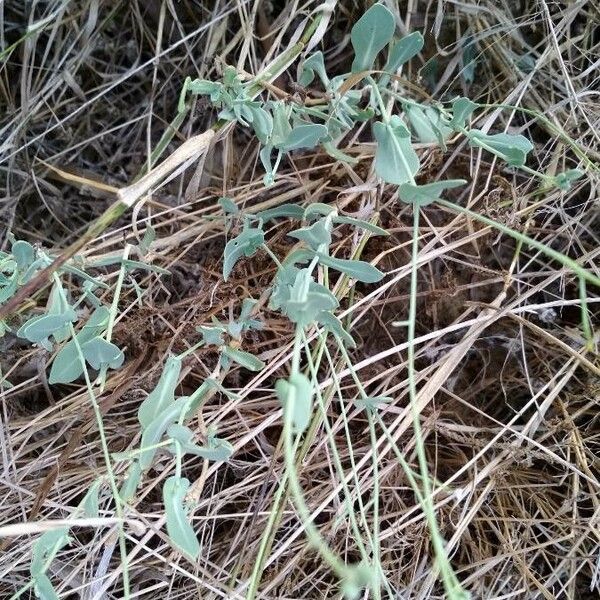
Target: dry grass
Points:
(508, 393)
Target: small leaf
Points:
(163, 394)
(371, 34)
(281, 124)
(217, 449)
(427, 125)
(403, 50)
(130, 485)
(247, 243)
(316, 235)
(24, 253)
(262, 123)
(228, 205)
(330, 322)
(428, 193)
(153, 433)
(293, 211)
(204, 87)
(564, 180)
(357, 269)
(211, 336)
(511, 148)
(179, 529)
(42, 327)
(100, 353)
(303, 136)
(90, 504)
(313, 64)
(245, 359)
(296, 395)
(372, 403)
(462, 109)
(395, 159)
(371, 227)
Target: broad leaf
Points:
(462, 109)
(427, 124)
(211, 336)
(313, 64)
(244, 244)
(403, 50)
(43, 587)
(315, 236)
(303, 136)
(371, 34)
(42, 327)
(179, 529)
(23, 253)
(296, 396)
(395, 159)
(100, 353)
(163, 394)
(511, 148)
(423, 195)
(564, 180)
(262, 123)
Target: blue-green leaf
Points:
(564, 180)
(262, 123)
(511, 148)
(371, 227)
(24, 253)
(427, 124)
(395, 159)
(163, 394)
(403, 50)
(303, 136)
(293, 211)
(313, 64)
(90, 503)
(130, 485)
(330, 322)
(100, 353)
(42, 327)
(179, 529)
(245, 359)
(371, 34)
(428, 193)
(296, 395)
(45, 548)
(245, 244)
(217, 449)
(43, 587)
(372, 403)
(357, 269)
(316, 235)
(462, 109)
(228, 205)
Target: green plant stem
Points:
(453, 588)
(109, 469)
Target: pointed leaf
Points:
(100, 353)
(67, 365)
(403, 50)
(244, 244)
(371, 227)
(163, 394)
(371, 34)
(428, 193)
(395, 159)
(296, 395)
(313, 64)
(462, 109)
(42, 327)
(511, 148)
(316, 235)
(293, 211)
(357, 269)
(132, 481)
(303, 136)
(245, 359)
(179, 529)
